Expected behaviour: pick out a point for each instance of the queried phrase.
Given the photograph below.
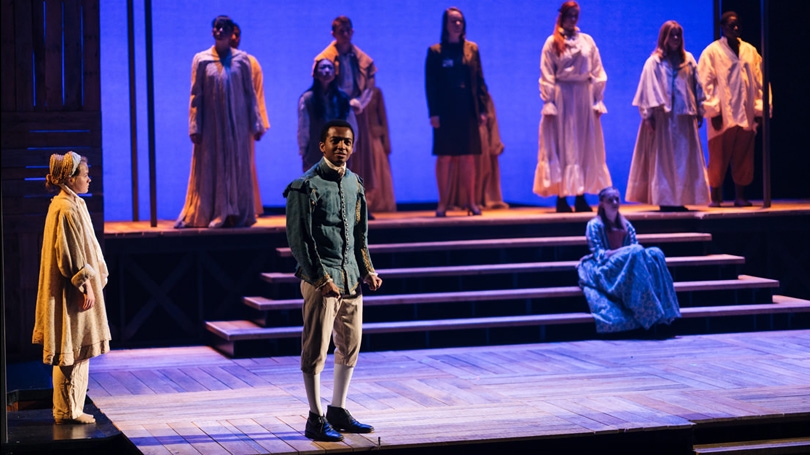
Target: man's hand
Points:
(195, 138)
(330, 290)
(89, 297)
(373, 281)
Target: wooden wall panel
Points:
(51, 104)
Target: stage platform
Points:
(683, 395)
(172, 287)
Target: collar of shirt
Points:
(341, 170)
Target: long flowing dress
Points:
(71, 260)
(668, 167)
(571, 147)
(630, 289)
(381, 198)
(224, 112)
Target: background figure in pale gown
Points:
(571, 155)
(258, 87)
(668, 168)
(223, 122)
(381, 198)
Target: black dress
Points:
(456, 93)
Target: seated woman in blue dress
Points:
(627, 286)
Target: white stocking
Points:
(343, 376)
(312, 383)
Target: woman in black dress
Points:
(456, 97)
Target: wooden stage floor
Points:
(192, 400)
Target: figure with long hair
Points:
(668, 169)
(71, 318)
(571, 147)
(457, 105)
(627, 286)
(322, 102)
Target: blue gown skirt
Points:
(631, 289)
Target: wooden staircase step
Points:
(520, 267)
(767, 446)
(525, 242)
(247, 330)
(743, 282)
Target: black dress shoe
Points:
(342, 420)
(318, 429)
(562, 205)
(581, 205)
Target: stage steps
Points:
(764, 447)
(454, 296)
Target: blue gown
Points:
(630, 289)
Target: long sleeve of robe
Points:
(71, 261)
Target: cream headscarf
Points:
(63, 167)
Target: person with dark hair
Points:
(322, 102)
(355, 72)
(626, 285)
(71, 318)
(730, 73)
(327, 230)
(224, 119)
(258, 87)
(571, 150)
(668, 169)
(457, 105)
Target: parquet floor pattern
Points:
(193, 400)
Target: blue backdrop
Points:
(285, 35)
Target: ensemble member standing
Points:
(627, 286)
(258, 87)
(71, 318)
(668, 169)
(571, 151)
(355, 72)
(223, 121)
(381, 198)
(322, 102)
(457, 104)
(730, 73)
(327, 228)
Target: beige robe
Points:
(258, 87)
(71, 260)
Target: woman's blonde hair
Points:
(62, 168)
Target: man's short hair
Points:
(341, 20)
(335, 123)
(726, 16)
(225, 21)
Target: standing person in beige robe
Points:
(71, 318)
(258, 87)
(355, 72)
(730, 73)
(381, 198)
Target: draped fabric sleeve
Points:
(630, 238)
(597, 241)
(303, 125)
(481, 86)
(432, 67)
(258, 87)
(598, 79)
(707, 78)
(249, 93)
(70, 250)
(380, 128)
(548, 79)
(651, 92)
(697, 87)
(195, 104)
(300, 201)
(756, 67)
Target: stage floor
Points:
(513, 215)
(195, 400)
